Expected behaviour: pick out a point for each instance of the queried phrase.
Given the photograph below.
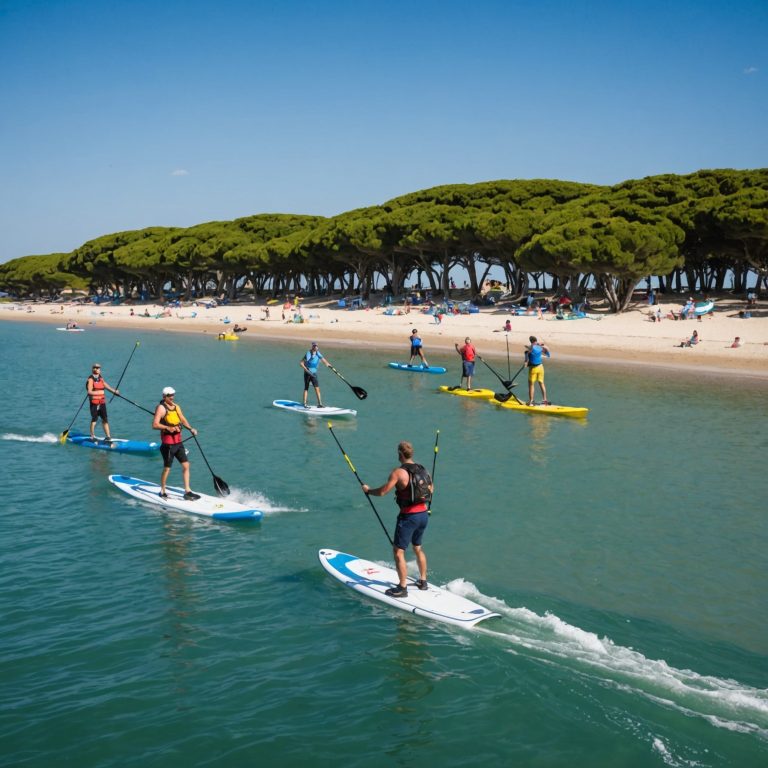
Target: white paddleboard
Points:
(327, 411)
(71, 330)
(372, 580)
(208, 506)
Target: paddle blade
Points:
(63, 438)
(502, 397)
(360, 392)
(221, 487)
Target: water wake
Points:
(723, 703)
(48, 437)
(257, 500)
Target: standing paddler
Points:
(95, 385)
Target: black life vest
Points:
(416, 493)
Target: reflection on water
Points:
(539, 428)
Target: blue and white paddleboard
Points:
(117, 444)
(372, 580)
(71, 330)
(206, 506)
(417, 368)
(327, 411)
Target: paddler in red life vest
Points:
(95, 386)
(468, 354)
(413, 491)
(169, 419)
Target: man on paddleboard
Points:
(533, 355)
(468, 353)
(309, 363)
(417, 349)
(413, 490)
(95, 386)
(169, 419)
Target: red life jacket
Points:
(97, 391)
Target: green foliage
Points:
(714, 219)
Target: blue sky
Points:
(122, 115)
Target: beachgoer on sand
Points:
(736, 342)
(692, 342)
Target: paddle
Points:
(63, 437)
(117, 386)
(221, 487)
(509, 369)
(434, 462)
(359, 391)
(351, 466)
(508, 384)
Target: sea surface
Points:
(626, 554)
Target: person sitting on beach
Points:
(508, 325)
(687, 310)
(736, 342)
(692, 342)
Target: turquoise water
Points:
(626, 554)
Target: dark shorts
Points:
(468, 367)
(410, 529)
(177, 451)
(99, 410)
(415, 350)
(310, 378)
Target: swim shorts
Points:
(177, 450)
(410, 529)
(99, 410)
(536, 373)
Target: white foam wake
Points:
(722, 702)
(257, 500)
(48, 437)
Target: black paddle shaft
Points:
(360, 393)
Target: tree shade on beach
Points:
(683, 230)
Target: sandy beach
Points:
(631, 338)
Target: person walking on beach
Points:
(309, 364)
(468, 354)
(533, 356)
(95, 386)
(413, 490)
(417, 349)
(169, 419)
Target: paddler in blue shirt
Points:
(309, 364)
(417, 349)
(533, 356)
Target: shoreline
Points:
(626, 340)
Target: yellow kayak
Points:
(228, 337)
(482, 394)
(550, 410)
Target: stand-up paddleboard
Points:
(116, 444)
(327, 411)
(417, 368)
(206, 506)
(482, 394)
(549, 410)
(372, 580)
(71, 330)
